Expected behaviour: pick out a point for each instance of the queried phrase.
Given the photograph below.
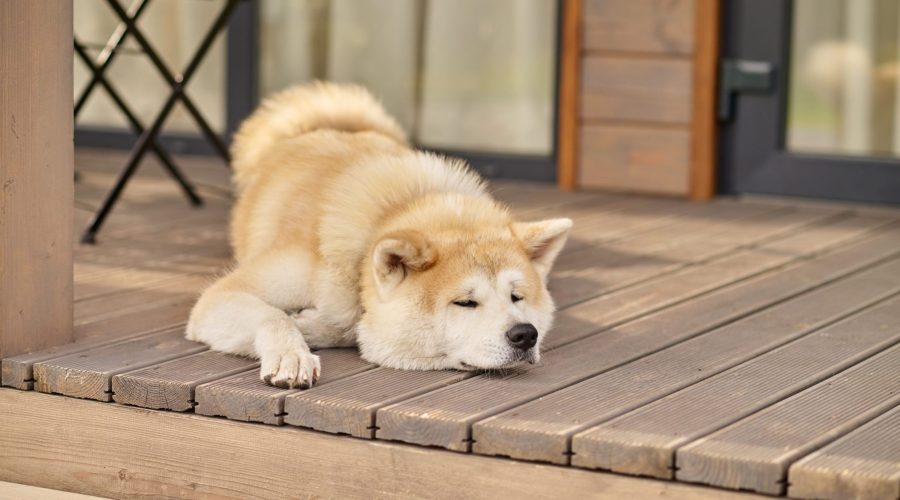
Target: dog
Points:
(344, 235)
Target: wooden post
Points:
(569, 88)
(36, 174)
(703, 124)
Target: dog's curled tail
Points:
(303, 109)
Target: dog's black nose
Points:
(522, 336)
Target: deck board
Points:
(88, 374)
(380, 388)
(864, 464)
(170, 385)
(678, 323)
(541, 429)
(644, 441)
(245, 397)
(755, 453)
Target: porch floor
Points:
(748, 344)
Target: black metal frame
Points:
(147, 138)
(753, 155)
(242, 98)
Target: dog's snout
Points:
(522, 336)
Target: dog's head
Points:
(460, 299)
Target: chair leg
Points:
(109, 52)
(164, 158)
(149, 135)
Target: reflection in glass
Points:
(458, 74)
(845, 78)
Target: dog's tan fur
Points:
(344, 235)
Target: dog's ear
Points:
(398, 254)
(543, 241)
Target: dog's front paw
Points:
(297, 368)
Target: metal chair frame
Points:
(148, 136)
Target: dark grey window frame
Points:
(242, 72)
(753, 155)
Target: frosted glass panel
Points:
(458, 74)
(175, 29)
(845, 77)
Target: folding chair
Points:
(147, 136)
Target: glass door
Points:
(821, 115)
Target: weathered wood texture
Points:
(170, 385)
(246, 397)
(646, 89)
(17, 371)
(775, 294)
(117, 451)
(634, 158)
(659, 27)
(36, 172)
(647, 95)
(88, 374)
(644, 441)
(755, 453)
(864, 464)
(542, 429)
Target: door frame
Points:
(753, 156)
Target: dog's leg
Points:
(243, 313)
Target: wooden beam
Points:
(569, 83)
(117, 451)
(703, 126)
(36, 175)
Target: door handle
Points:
(739, 75)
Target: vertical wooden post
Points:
(36, 174)
(703, 125)
(569, 89)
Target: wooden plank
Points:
(349, 407)
(182, 287)
(88, 374)
(634, 159)
(541, 429)
(608, 310)
(704, 124)
(644, 441)
(331, 409)
(362, 397)
(116, 451)
(13, 491)
(606, 267)
(245, 397)
(593, 271)
(864, 464)
(159, 316)
(17, 371)
(755, 453)
(170, 385)
(619, 88)
(36, 172)
(569, 94)
(662, 27)
(120, 280)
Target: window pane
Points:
(458, 74)
(174, 28)
(845, 77)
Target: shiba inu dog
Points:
(344, 235)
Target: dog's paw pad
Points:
(290, 370)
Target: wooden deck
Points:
(741, 344)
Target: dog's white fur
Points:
(344, 235)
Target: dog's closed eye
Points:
(515, 298)
(465, 303)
